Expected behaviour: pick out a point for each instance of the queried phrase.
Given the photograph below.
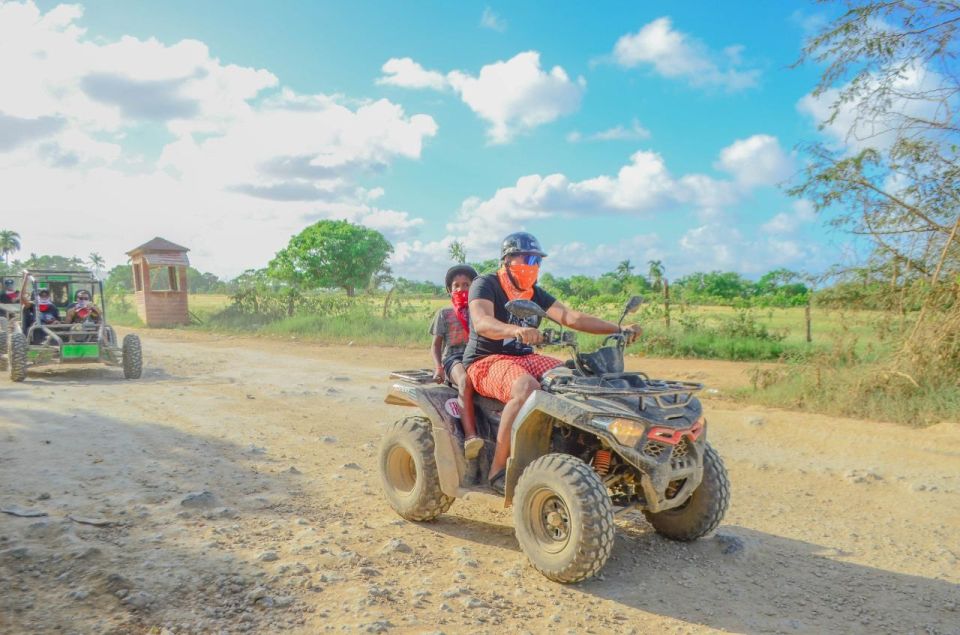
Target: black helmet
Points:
(521, 243)
(459, 270)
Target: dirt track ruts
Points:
(835, 525)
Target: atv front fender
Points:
(530, 437)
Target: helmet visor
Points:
(531, 259)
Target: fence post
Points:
(666, 302)
(806, 312)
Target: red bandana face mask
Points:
(460, 300)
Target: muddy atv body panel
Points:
(669, 464)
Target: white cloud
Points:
(852, 131)
(721, 246)
(246, 165)
(756, 160)
(620, 132)
(677, 55)
(492, 21)
(513, 96)
(802, 212)
(406, 73)
(640, 188)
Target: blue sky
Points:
(614, 131)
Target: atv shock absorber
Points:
(601, 462)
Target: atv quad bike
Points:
(594, 442)
(28, 341)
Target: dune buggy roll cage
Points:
(83, 279)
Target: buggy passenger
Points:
(82, 309)
(451, 330)
(10, 294)
(47, 311)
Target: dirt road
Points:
(233, 489)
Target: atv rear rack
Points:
(416, 376)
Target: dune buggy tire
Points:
(132, 357)
(703, 511)
(408, 470)
(563, 518)
(17, 356)
(4, 331)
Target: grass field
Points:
(410, 317)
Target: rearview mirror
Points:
(523, 309)
(633, 305)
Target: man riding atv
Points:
(499, 357)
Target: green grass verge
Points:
(868, 391)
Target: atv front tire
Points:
(408, 470)
(132, 357)
(563, 518)
(703, 511)
(17, 356)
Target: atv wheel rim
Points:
(401, 470)
(550, 520)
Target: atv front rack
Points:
(666, 392)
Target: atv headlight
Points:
(626, 431)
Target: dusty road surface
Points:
(233, 489)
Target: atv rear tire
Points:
(703, 511)
(4, 329)
(132, 357)
(408, 470)
(563, 518)
(17, 356)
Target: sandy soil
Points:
(233, 489)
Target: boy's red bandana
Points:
(460, 300)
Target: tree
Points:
(97, 262)
(891, 79)
(458, 252)
(655, 273)
(624, 271)
(331, 254)
(9, 243)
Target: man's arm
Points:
(580, 321)
(487, 325)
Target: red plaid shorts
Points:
(493, 376)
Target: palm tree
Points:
(96, 261)
(458, 252)
(9, 243)
(624, 271)
(656, 273)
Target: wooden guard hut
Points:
(160, 282)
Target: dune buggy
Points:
(32, 337)
(595, 441)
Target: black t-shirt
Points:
(488, 288)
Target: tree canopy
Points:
(332, 254)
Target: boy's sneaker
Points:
(472, 447)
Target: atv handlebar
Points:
(552, 337)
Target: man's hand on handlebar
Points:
(631, 333)
(528, 335)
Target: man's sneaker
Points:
(472, 447)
